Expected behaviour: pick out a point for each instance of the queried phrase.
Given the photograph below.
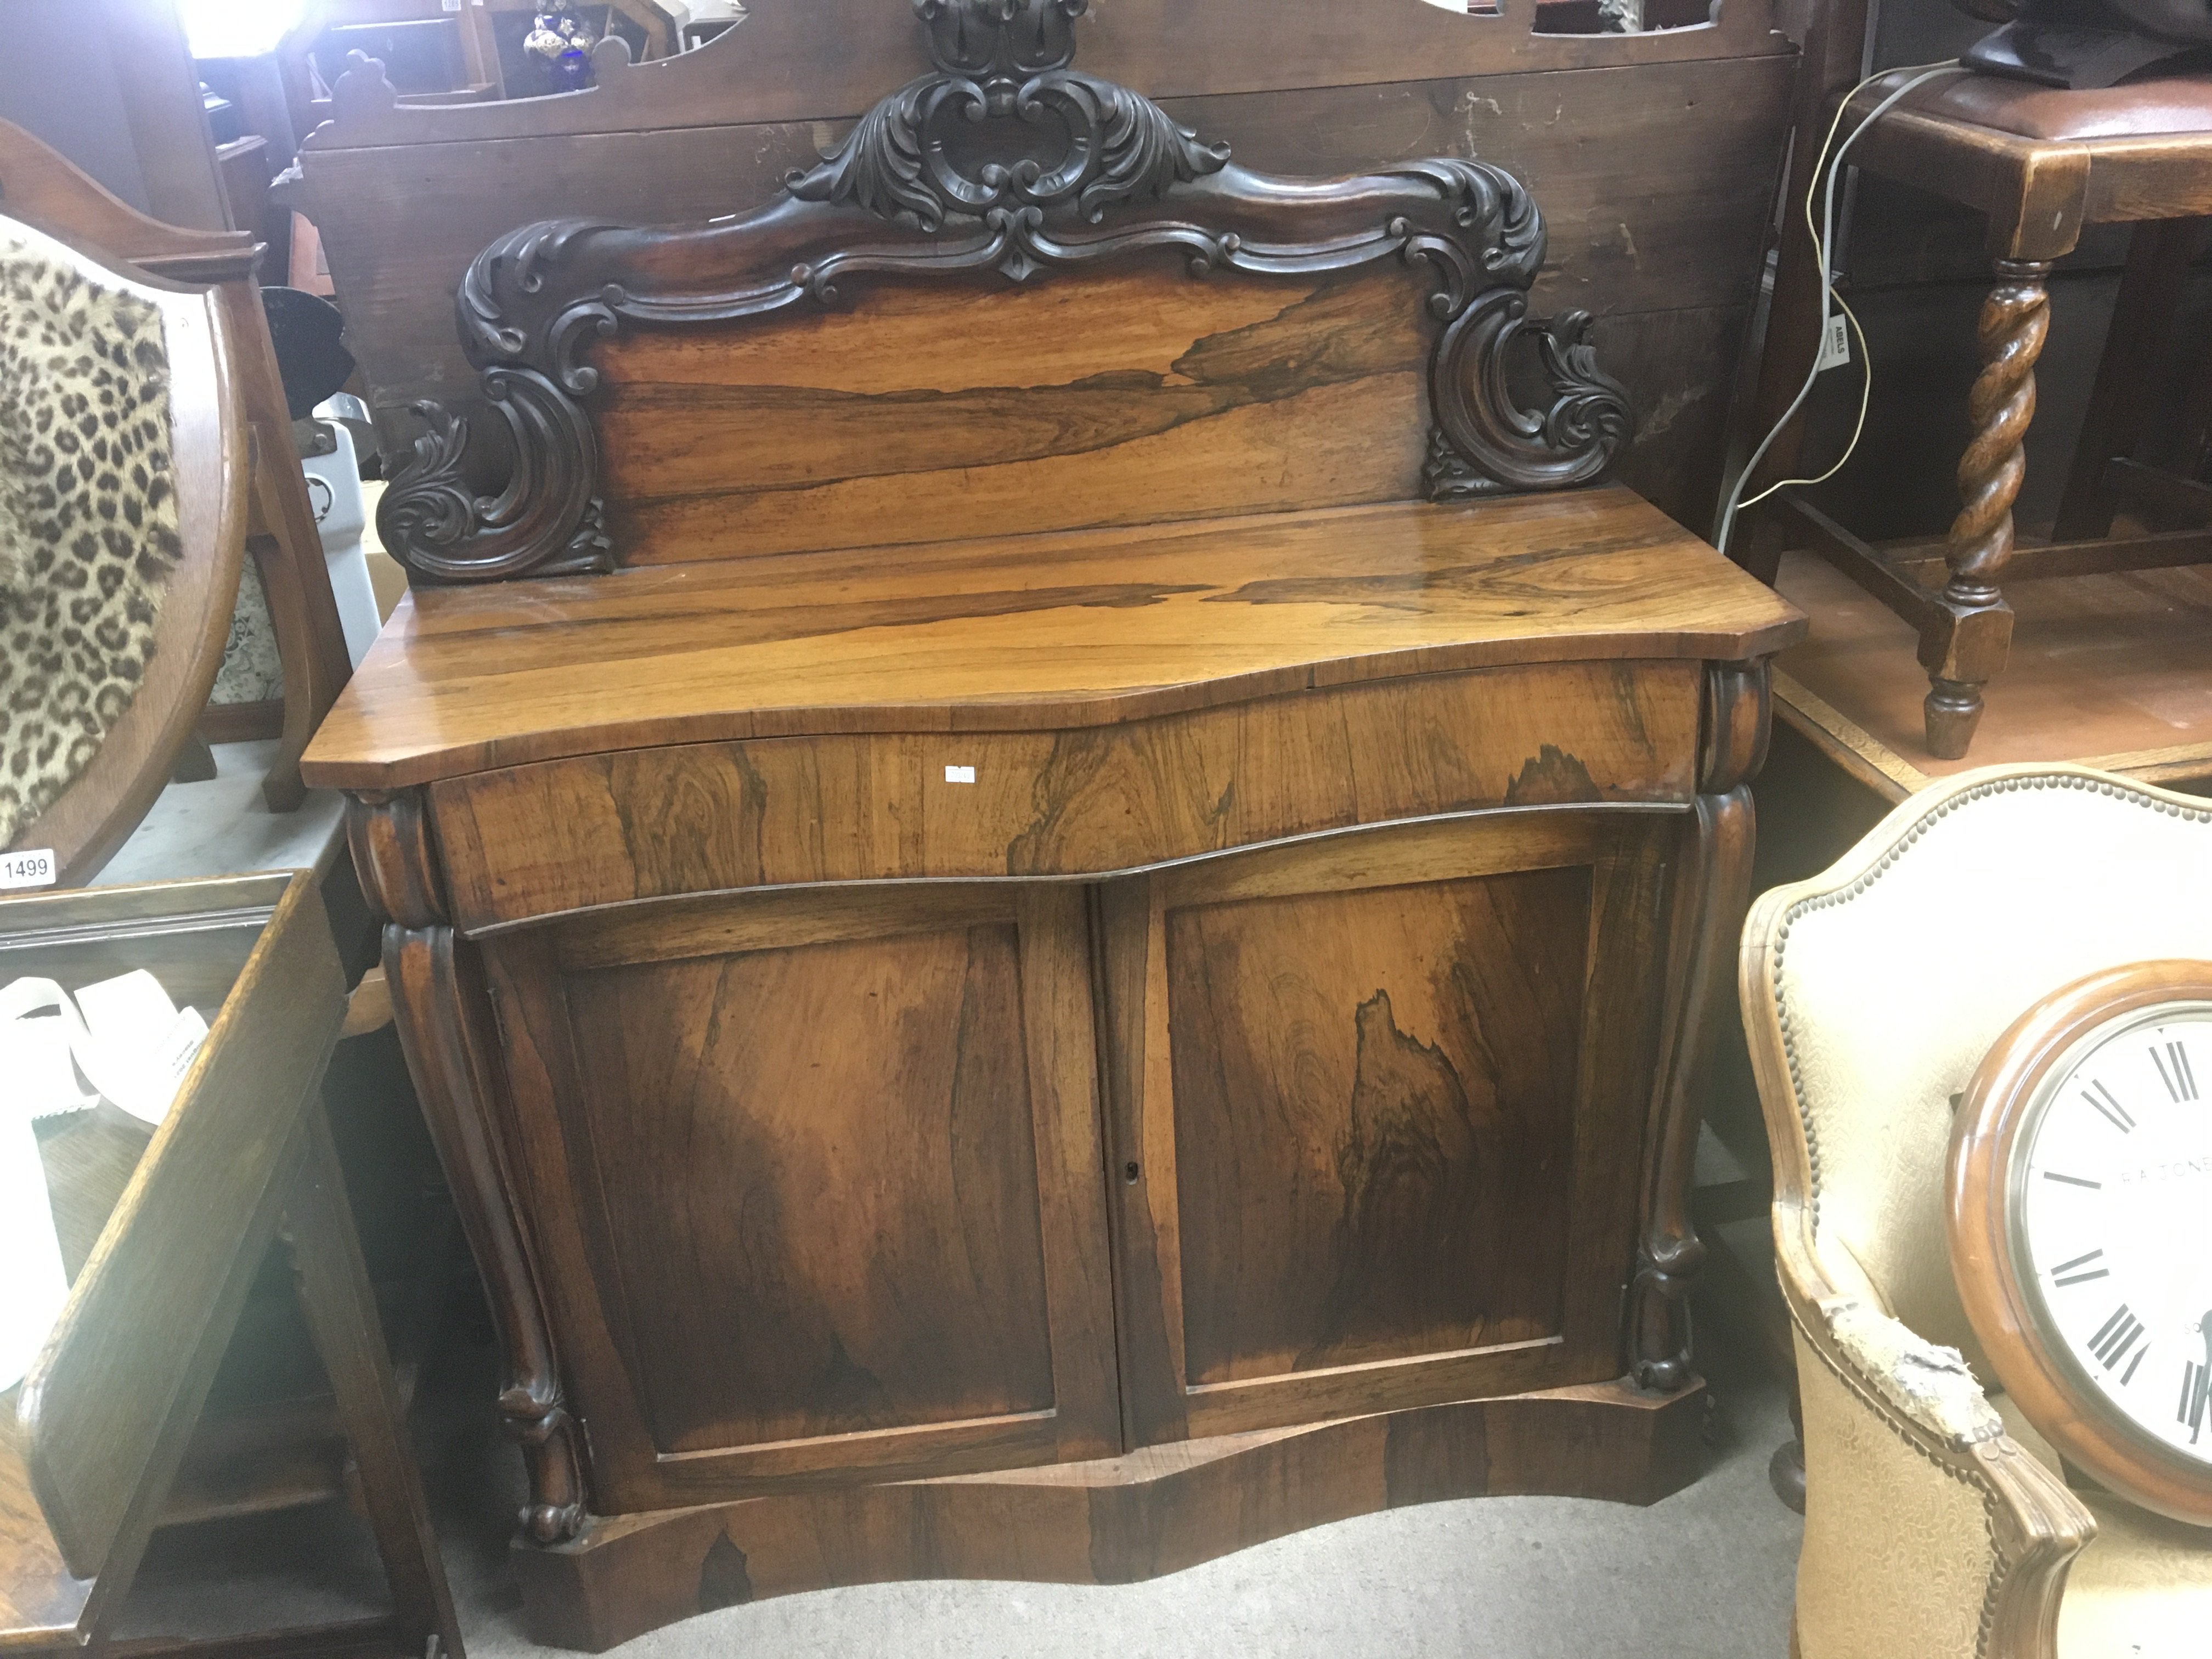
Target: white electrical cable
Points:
(1822, 234)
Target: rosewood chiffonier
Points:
(1054, 868)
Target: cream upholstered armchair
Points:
(1938, 1524)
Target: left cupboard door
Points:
(815, 1184)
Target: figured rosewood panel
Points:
(1374, 1101)
(607, 828)
(818, 1179)
(820, 1184)
(1378, 1109)
(922, 414)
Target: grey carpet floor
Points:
(1706, 1574)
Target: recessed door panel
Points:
(1374, 1101)
(821, 1184)
(828, 1180)
(1378, 1108)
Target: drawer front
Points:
(543, 840)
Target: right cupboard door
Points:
(1377, 1107)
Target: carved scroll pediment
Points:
(997, 59)
(1002, 159)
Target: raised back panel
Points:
(1004, 166)
(925, 413)
(1658, 174)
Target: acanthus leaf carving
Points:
(545, 521)
(1485, 442)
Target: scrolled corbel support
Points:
(1712, 894)
(546, 521)
(1485, 442)
(443, 1012)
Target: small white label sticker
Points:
(35, 868)
(952, 774)
(1836, 345)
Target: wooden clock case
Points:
(2042, 1379)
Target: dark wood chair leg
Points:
(287, 550)
(1786, 1470)
(2191, 452)
(1966, 645)
(341, 1311)
(2159, 259)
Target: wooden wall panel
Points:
(855, 50)
(1374, 1095)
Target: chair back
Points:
(1876, 987)
(123, 457)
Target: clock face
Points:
(2111, 1217)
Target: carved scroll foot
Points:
(547, 1435)
(1971, 640)
(1662, 1316)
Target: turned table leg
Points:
(1967, 643)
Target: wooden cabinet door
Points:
(817, 1183)
(1378, 1106)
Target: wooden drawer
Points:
(559, 836)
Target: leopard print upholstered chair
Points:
(123, 476)
(1938, 1523)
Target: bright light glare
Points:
(237, 29)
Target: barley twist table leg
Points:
(1968, 641)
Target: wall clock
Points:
(2081, 1225)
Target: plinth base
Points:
(1114, 1520)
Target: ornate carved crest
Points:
(1002, 159)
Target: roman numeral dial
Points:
(2171, 1059)
(2193, 1390)
(2115, 1114)
(2116, 1336)
(2109, 1192)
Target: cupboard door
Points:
(820, 1181)
(1378, 1108)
